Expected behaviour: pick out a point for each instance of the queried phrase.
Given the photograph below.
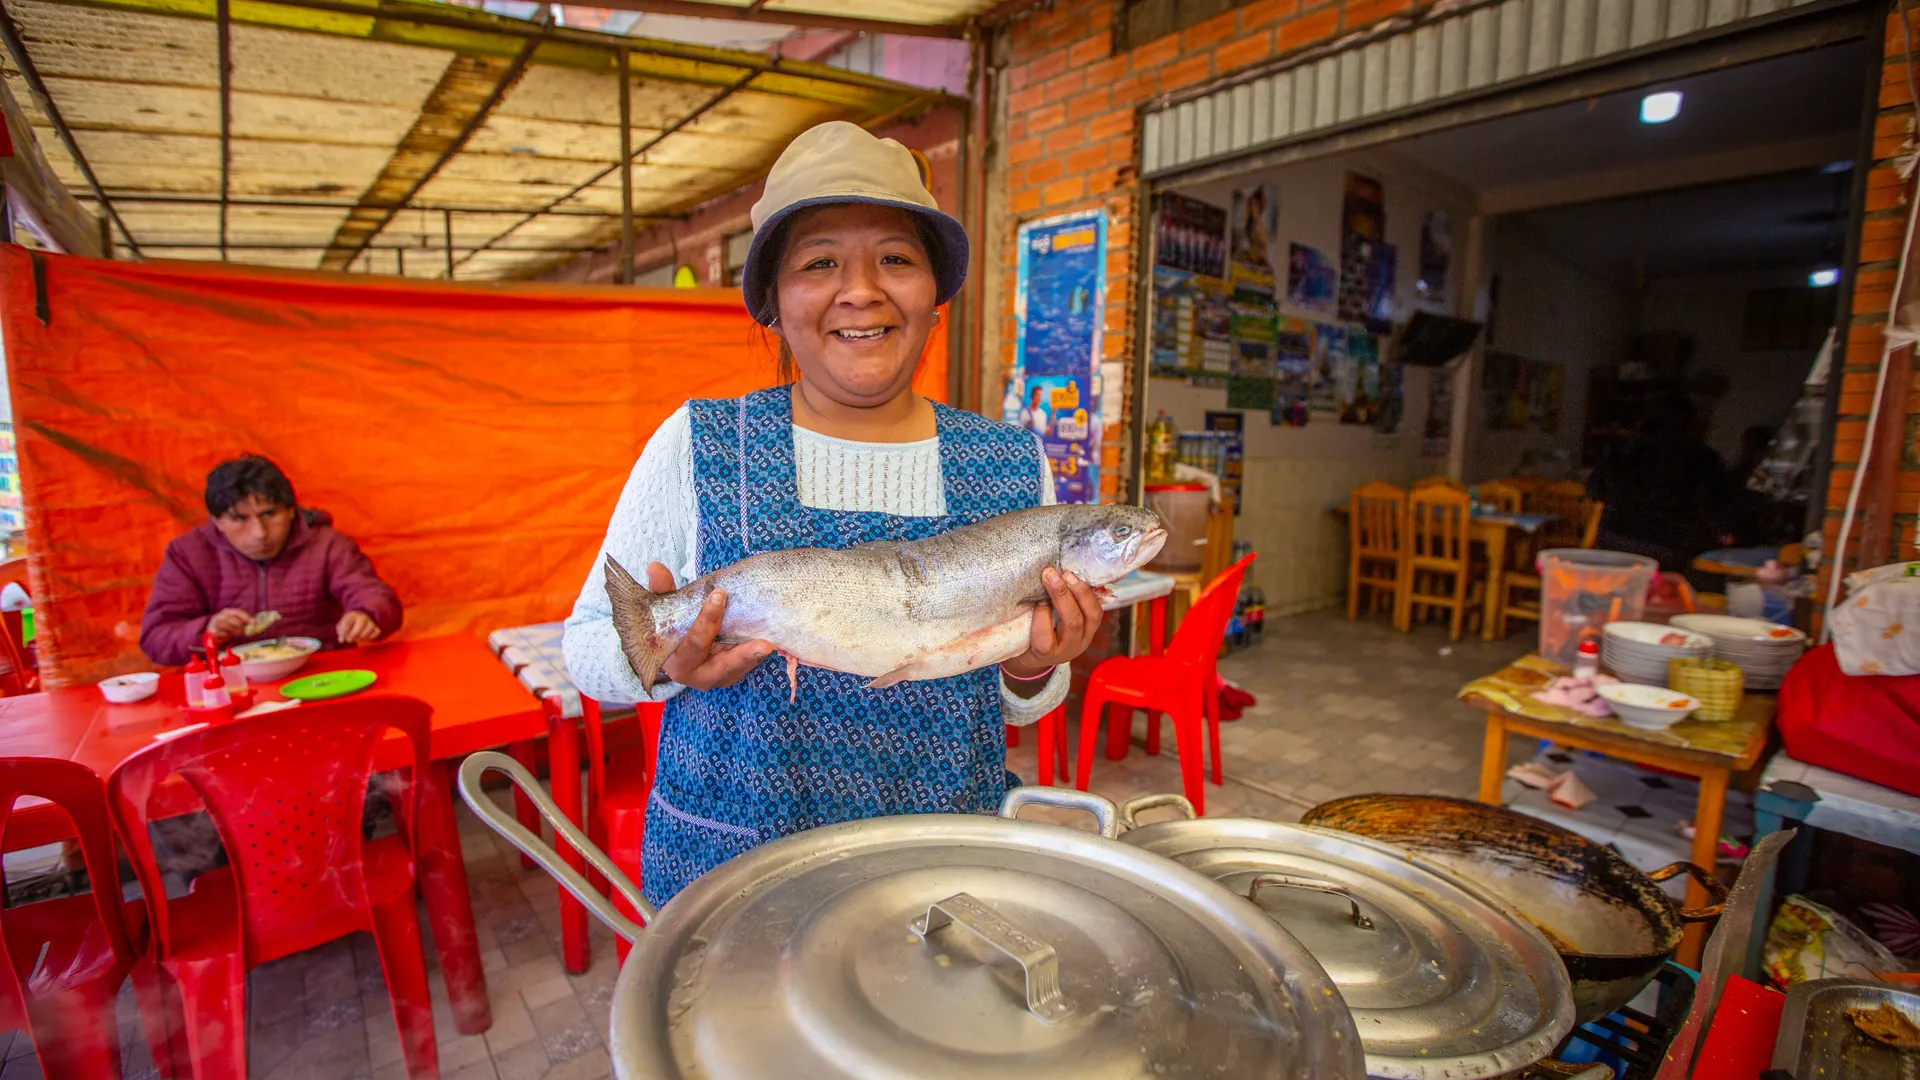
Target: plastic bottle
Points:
(1257, 616)
(1587, 664)
(232, 673)
(196, 678)
(1161, 438)
(214, 696)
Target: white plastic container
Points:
(1183, 510)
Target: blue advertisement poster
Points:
(1059, 310)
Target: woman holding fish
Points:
(888, 548)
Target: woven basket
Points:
(1716, 683)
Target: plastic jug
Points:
(1582, 591)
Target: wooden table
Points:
(1710, 752)
(476, 704)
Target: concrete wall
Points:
(1711, 309)
(1552, 310)
(1292, 475)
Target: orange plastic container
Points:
(1582, 591)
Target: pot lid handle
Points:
(1716, 892)
(1261, 881)
(500, 821)
(1036, 958)
(1103, 810)
(1132, 807)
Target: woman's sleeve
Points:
(1014, 709)
(655, 521)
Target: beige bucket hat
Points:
(838, 162)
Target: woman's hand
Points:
(695, 664)
(1076, 607)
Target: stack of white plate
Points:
(1762, 650)
(1638, 651)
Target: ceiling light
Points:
(1820, 279)
(1660, 108)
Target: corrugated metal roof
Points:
(1474, 48)
(501, 132)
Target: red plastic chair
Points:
(618, 789)
(286, 793)
(1183, 683)
(1049, 729)
(65, 958)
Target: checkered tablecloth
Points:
(533, 654)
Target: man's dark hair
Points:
(231, 481)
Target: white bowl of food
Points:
(276, 658)
(127, 689)
(1653, 708)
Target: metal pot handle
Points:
(1261, 881)
(1132, 807)
(1103, 810)
(1707, 881)
(1036, 958)
(477, 766)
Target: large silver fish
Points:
(894, 611)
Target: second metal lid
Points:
(1442, 980)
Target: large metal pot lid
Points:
(971, 946)
(1442, 979)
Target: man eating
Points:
(262, 566)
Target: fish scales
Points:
(893, 611)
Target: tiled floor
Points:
(1342, 708)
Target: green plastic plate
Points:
(331, 684)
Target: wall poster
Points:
(1363, 229)
(1519, 394)
(1059, 313)
(1190, 235)
(1310, 278)
(1235, 423)
(1293, 370)
(1362, 404)
(1332, 378)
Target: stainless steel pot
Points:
(1612, 925)
(950, 945)
(1443, 981)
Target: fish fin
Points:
(897, 675)
(793, 677)
(646, 648)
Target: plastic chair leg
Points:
(1047, 732)
(527, 754)
(75, 1034)
(625, 854)
(1153, 730)
(1091, 708)
(1210, 711)
(403, 959)
(213, 1004)
(1120, 731)
(1013, 736)
(159, 1019)
(1193, 777)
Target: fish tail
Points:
(637, 615)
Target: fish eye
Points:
(1121, 531)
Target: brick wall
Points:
(1882, 232)
(1066, 109)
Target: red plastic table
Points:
(476, 704)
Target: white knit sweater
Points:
(657, 517)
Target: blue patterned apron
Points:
(743, 765)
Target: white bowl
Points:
(281, 666)
(127, 689)
(1651, 707)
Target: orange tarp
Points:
(472, 438)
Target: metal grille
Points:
(1449, 57)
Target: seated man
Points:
(261, 553)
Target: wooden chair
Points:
(1502, 496)
(1520, 588)
(1567, 501)
(1376, 527)
(1528, 486)
(1437, 571)
(19, 673)
(1438, 481)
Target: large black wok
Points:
(1611, 923)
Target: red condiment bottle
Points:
(196, 677)
(1587, 664)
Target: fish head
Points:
(1103, 544)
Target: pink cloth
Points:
(1580, 695)
(319, 576)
